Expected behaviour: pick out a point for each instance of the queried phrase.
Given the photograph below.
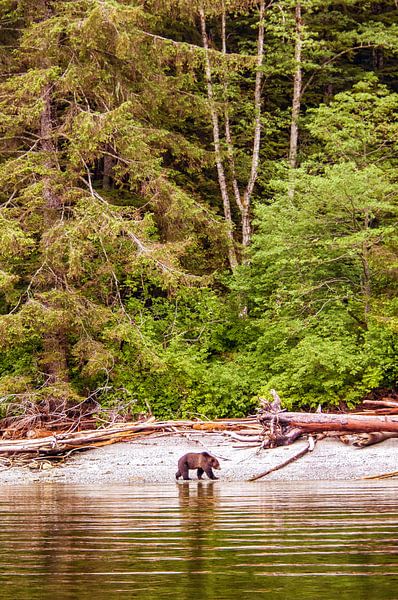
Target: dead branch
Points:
(59, 443)
(309, 448)
(361, 440)
(387, 403)
(382, 476)
(243, 438)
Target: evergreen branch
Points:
(199, 49)
(140, 245)
(332, 59)
(26, 292)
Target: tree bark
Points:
(51, 200)
(243, 201)
(54, 360)
(297, 85)
(228, 136)
(107, 172)
(366, 275)
(247, 196)
(217, 145)
(315, 422)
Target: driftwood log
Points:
(320, 422)
(61, 443)
(270, 428)
(282, 428)
(309, 448)
(386, 403)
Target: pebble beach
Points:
(154, 460)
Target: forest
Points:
(198, 204)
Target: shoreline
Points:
(155, 461)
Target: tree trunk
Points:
(247, 196)
(246, 227)
(53, 360)
(217, 146)
(243, 201)
(316, 422)
(51, 200)
(297, 85)
(228, 136)
(365, 280)
(107, 172)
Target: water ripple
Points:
(200, 541)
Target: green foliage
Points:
(181, 365)
(113, 244)
(360, 125)
(322, 277)
(329, 363)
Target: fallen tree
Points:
(271, 427)
(321, 422)
(309, 448)
(62, 443)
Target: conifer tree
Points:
(80, 112)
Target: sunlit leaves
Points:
(360, 124)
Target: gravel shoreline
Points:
(154, 460)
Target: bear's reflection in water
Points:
(198, 503)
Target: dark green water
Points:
(200, 541)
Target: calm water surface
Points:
(206, 540)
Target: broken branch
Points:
(309, 448)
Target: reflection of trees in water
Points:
(198, 506)
(197, 541)
(74, 539)
(64, 536)
(39, 537)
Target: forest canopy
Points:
(198, 203)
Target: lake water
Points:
(200, 540)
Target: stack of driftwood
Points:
(364, 428)
(271, 427)
(58, 443)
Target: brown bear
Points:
(202, 461)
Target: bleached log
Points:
(63, 442)
(314, 422)
(381, 403)
(309, 448)
(243, 438)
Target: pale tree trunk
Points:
(297, 88)
(243, 201)
(247, 196)
(246, 227)
(217, 145)
(228, 136)
(366, 282)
